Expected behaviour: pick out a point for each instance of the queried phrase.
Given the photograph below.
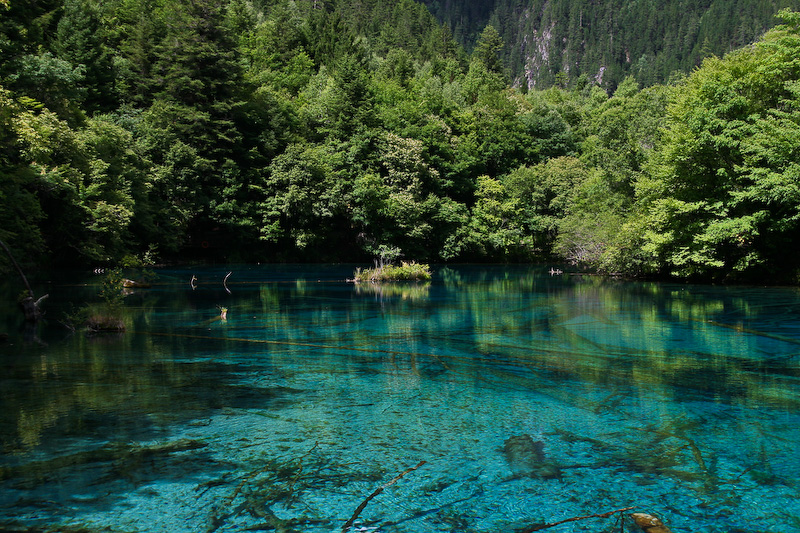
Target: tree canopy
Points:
(317, 130)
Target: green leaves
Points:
(283, 130)
(488, 50)
(494, 228)
(303, 198)
(725, 203)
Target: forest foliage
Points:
(564, 42)
(314, 130)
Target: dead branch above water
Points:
(30, 305)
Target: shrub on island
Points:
(412, 271)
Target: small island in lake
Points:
(412, 271)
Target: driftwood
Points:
(30, 305)
(539, 527)
(649, 523)
(346, 527)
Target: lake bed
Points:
(503, 396)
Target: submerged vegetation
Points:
(315, 130)
(522, 392)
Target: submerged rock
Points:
(649, 523)
(526, 458)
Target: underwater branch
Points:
(573, 519)
(377, 491)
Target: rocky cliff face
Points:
(537, 54)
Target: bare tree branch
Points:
(30, 305)
(17, 267)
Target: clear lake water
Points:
(492, 399)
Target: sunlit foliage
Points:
(258, 131)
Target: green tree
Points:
(80, 185)
(722, 200)
(113, 191)
(50, 158)
(56, 83)
(352, 103)
(489, 49)
(397, 205)
(305, 203)
(80, 40)
(545, 194)
(622, 131)
(495, 231)
(25, 28)
(20, 212)
(141, 27)
(193, 135)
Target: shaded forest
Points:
(314, 130)
(568, 42)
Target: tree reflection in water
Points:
(679, 400)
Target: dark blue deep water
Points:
(521, 398)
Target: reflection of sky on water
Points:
(679, 400)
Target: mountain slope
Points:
(561, 41)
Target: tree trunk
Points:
(30, 305)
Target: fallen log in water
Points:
(526, 458)
(107, 453)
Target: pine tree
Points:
(193, 118)
(79, 40)
(489, 49)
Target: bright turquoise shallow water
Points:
(681, 401)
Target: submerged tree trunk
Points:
(30, 305)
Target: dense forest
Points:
(563, 42)
(321, 130)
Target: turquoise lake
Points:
(492, 399)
